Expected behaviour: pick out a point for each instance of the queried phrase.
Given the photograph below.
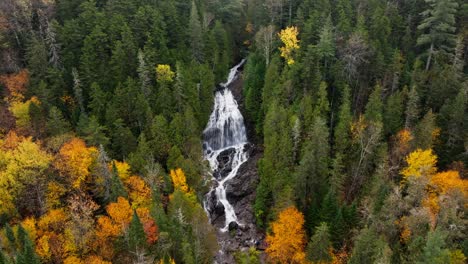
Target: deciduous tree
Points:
(287, 240)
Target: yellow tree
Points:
(21, 112)
(179, 180)
(110, 227)
(289, 38)
(138, 191)
(164, 74)
(286, 243)
(75, 160)
(123, 169)
(420, 163)
(20, 166)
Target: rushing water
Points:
(225, 131)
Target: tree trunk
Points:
(431, 50)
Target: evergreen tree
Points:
(136, 234)
(434, 251)
(369, 248)
(117, 189)
(311, 175)
(56, 123)
(196, 34)
(412, 108)
(318, 249)
(91, 131)
(438, 27)
(374, 106)
(27, 255)
(253, 85)
(426, 131)
(3, 258)
(326, 44)
(10, 236)
(343, 126)
(393, 113)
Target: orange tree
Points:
(287, 241)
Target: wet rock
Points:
(233, 226)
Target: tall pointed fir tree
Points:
(196, 33)
(438, 27)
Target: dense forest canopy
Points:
(359, 107)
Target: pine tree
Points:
(438, 27)
(329, 207)
(426, 131)
(393, 113)
(343, 127)
(318, 249)
(3, 258)
(369, 248)
(136, 234)
(196, 34)
(10, 236)
(91, 131)
(326, 44)
(374, 106)
(27, 255)
(435, 250)
(412, 108)
(117, 189)
(56, 123)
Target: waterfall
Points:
(225, 132)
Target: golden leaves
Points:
(120, 212)
(164, 74)
(286, 244)
(179, 180)
(289, 38)
(443, 182)
(75, 160)
(16, 84)
(123, 169)
(420, 162)
(139, 192)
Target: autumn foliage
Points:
(420, 162)
(289, 38)
(179, 180)
(287, 241)
(75, 160)
(16, 84)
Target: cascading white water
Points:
(226, 130)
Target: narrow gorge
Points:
(232, 161)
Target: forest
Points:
(358, 110)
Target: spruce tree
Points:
(435, 250)
(117, 189)
(27, 254)
(318, 249)
(374, 106)
(136, 234)
(438, 27)
(412, 108)
(342, 129)
(56, 123)
(10, 235)
(196, 33)
(393, 114)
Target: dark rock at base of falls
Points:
(233, 226)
